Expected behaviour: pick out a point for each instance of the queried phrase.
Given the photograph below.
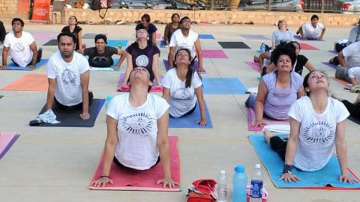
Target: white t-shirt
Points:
(352, 54)
(178, 40)
(354, 73)
(312, 32)
(67, 76)
(317, 135)
(137, 130)
(182, 99)
(20, 50)
(280, 36)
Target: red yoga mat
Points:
(126, 180)
(306, 46)
(154, 89)
(30, 82)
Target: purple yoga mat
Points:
(254, 37)
(252, 120)
(43, 37)
(329, 65)
(218, 54)
(253, 65)
(6, 141)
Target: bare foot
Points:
(268, 135)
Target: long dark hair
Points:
(191, 71)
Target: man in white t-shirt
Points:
(69, 75)
(349, 57)
(313, 30)
(137, 131)
(186, 38)
(21, 46)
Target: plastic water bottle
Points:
(239, 184)
(256, 185)
(222, 187)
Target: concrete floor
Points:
(56, 164)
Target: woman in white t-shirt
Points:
(183, 88)
(137, 131)
(317, 124)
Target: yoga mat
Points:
(215, 54)
(253, 65)
(223, 86)
(234, 45)
(254, 37)
(115, 66)
(333, 52)
(30, 82)
(329, 65)
(163, 44)
(305, 46)
(128, 180)
(206, 36)
(6, 141)
(252, 120)
(305, 39)
(191, 120)
(355, 120)
(12, 66)
(43, 37)
(52, 42)
(154, 89)
(72, 118)
(118, 43)
(326, 178)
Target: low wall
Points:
(214, 17)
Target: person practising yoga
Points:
(349, 58)
(151, 29)
(75, 29)
(171, 27)
(21, 47)
(141, 53)
(278, 90)
(68, 75)
(101, 54)
(317, 124)
(313, 30)
(301, 60)
(186, 38)
(183, 88)
(137, 131)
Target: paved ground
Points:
(56, 164)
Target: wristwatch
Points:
(287, 168)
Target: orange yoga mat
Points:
(30, 82)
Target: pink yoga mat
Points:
(6, 141)
(251, 121)
(219, 54)
(255, 66)
(126, 180)
(154, 89)
(305, 46)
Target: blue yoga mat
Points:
(326, 177)
(111, 68)
(206, 36)
(224, 86)
(118, 43)
(162, 44)
(191, 120)
(12, 66)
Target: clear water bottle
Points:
(222, 187)
(256, 185)
(239, 184)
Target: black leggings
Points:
(60, 106)
(117, 162)
(354, 109)
(279, 146)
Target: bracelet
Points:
(287, 168)
(104, 176)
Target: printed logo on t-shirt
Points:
(183, 94)
(68, 77)
(142, 61)
(137, 124)
(19, 47)
(319, 133)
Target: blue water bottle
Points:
(239, 184)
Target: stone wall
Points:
(8, 9)
(214, 17)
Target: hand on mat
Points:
(288, 177)
(3, 66)
(202, 122)
(32, 67)
(167, 182)
(347, 178)
(260, 124)
(101, 182)
(85, 116)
